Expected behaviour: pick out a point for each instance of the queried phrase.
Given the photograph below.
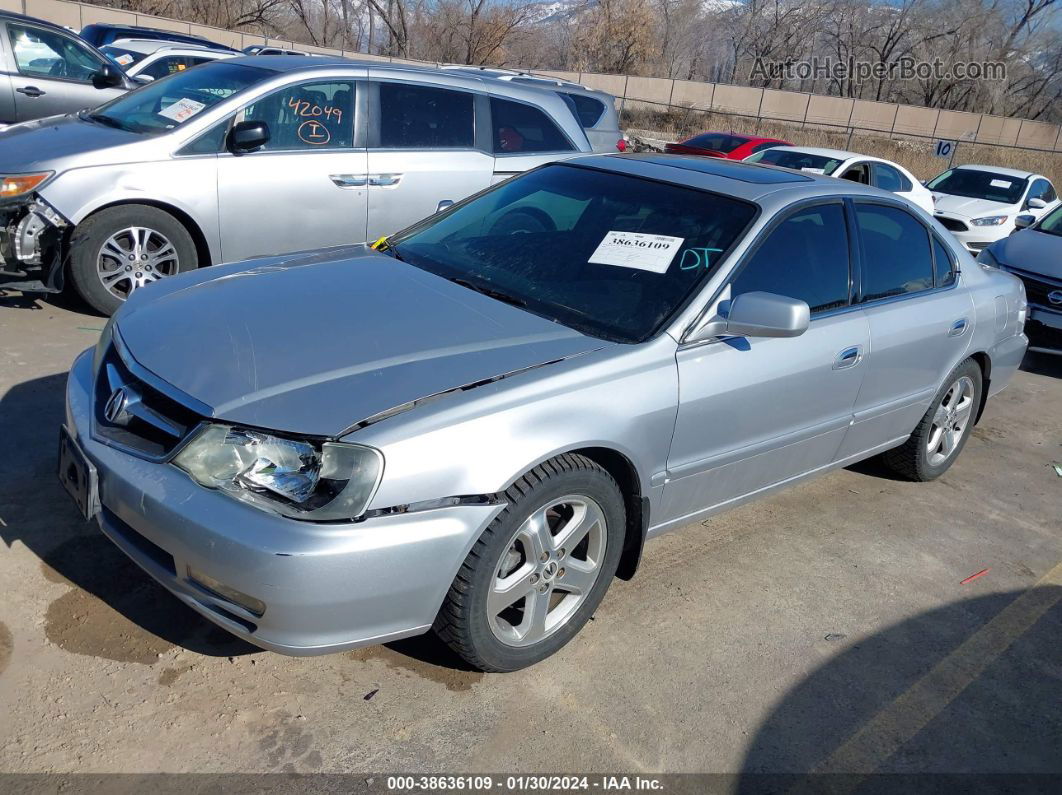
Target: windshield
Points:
(975, 184)
(1052, 222)
(796, 160)
(123, 57)
(610, 255)
(165, 104)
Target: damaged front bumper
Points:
(32, 243)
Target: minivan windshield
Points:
(976, 184)
(610, 255)
(164, 105)
(796, 160)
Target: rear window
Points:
(587, 109)
(717, 142)
(798, 161)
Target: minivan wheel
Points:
(943, 431)
(121, 249)
(538, 572)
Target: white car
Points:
(852, 166)
(978, 204)
(145, 60)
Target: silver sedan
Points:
(475, 427)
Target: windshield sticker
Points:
(814, 170)
(182, 110)
(1001, 183)
(636, 250)
(124, 60)
(696, 257)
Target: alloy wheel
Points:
(133, 257)
(950, 421)
(547, 570)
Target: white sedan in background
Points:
(978, 204)
(852, 166)
(145, 60)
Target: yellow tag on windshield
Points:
(380, 245)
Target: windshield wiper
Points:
(107, 121)
(497, 295)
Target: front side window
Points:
(888, 178)
(520, 128)
(973, 183)
(45, 53)
(1042, 189)
(306, 116)
(857, 172)
(896, 255)
(805, 257)
(425, 117)
(610, 255)
(164, 105)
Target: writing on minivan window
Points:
(306, 108)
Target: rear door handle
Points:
(958, 328)
(384, 180)
(849, 357)
(349, 180)
(30, 91)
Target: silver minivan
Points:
(262, 155)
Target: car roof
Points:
(749, 181)
(149, 46)
(1009, 172)
(523, 78)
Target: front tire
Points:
(942, 433)
(121, 249)
(541, 568)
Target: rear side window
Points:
(519, 128)
(944, 264)
(804, 257)
(888, 178)
(425, 117)
(896, 254)
(587, 109)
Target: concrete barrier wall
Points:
(656, 93)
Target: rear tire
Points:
(942, 433)
(121, 249)
(540, 570)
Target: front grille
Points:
(952, 224)
(1037, 288)
(135, 416)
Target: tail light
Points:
(621, 145)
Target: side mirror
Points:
(108, 76)
(248, 136)
(1036, 204)
(1024, 221)
(444, 204)
(758, 314)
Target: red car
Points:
(732, 146)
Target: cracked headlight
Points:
(311, 481)
(990, 220)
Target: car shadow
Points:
(115, 610)
(68, 300)
(1049, 364)
(971, 688)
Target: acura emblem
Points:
(115, 406)
(1055, 297)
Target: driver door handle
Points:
(849, 357)
(384, 180)
(349, 180)
(30, 91)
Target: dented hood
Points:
(313, 345)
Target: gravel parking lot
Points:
(824, 628)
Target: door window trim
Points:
(62, 34)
